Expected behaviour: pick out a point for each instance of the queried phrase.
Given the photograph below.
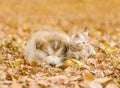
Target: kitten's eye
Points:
(76, 48)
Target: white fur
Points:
(33, 54)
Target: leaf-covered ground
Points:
(19, 19)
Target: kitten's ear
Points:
(75, 36)
(86, 32)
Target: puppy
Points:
(48, 47)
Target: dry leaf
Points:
(112, 85)
(103, 80)
(88, 76)
(18, 62)
(80, 64)
(95, 84)
(16, 85)
(84, 83)
(68, 63)
(34, 63)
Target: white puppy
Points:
(47, 47)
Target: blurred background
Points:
(19, 19)
(67, 15)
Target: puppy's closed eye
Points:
(41, 45)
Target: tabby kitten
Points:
(80, 47)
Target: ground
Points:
(19, 19)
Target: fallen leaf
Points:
(80, 64)
(68, 63)
(16, 85)
(34, 63)
(103, 80)
(112, 85)
(88, 76)
(18, 62)
(95, 84)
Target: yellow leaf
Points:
(34, 63)
(68, 63)
(79, 63)
(18, 62)
(88, 76)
